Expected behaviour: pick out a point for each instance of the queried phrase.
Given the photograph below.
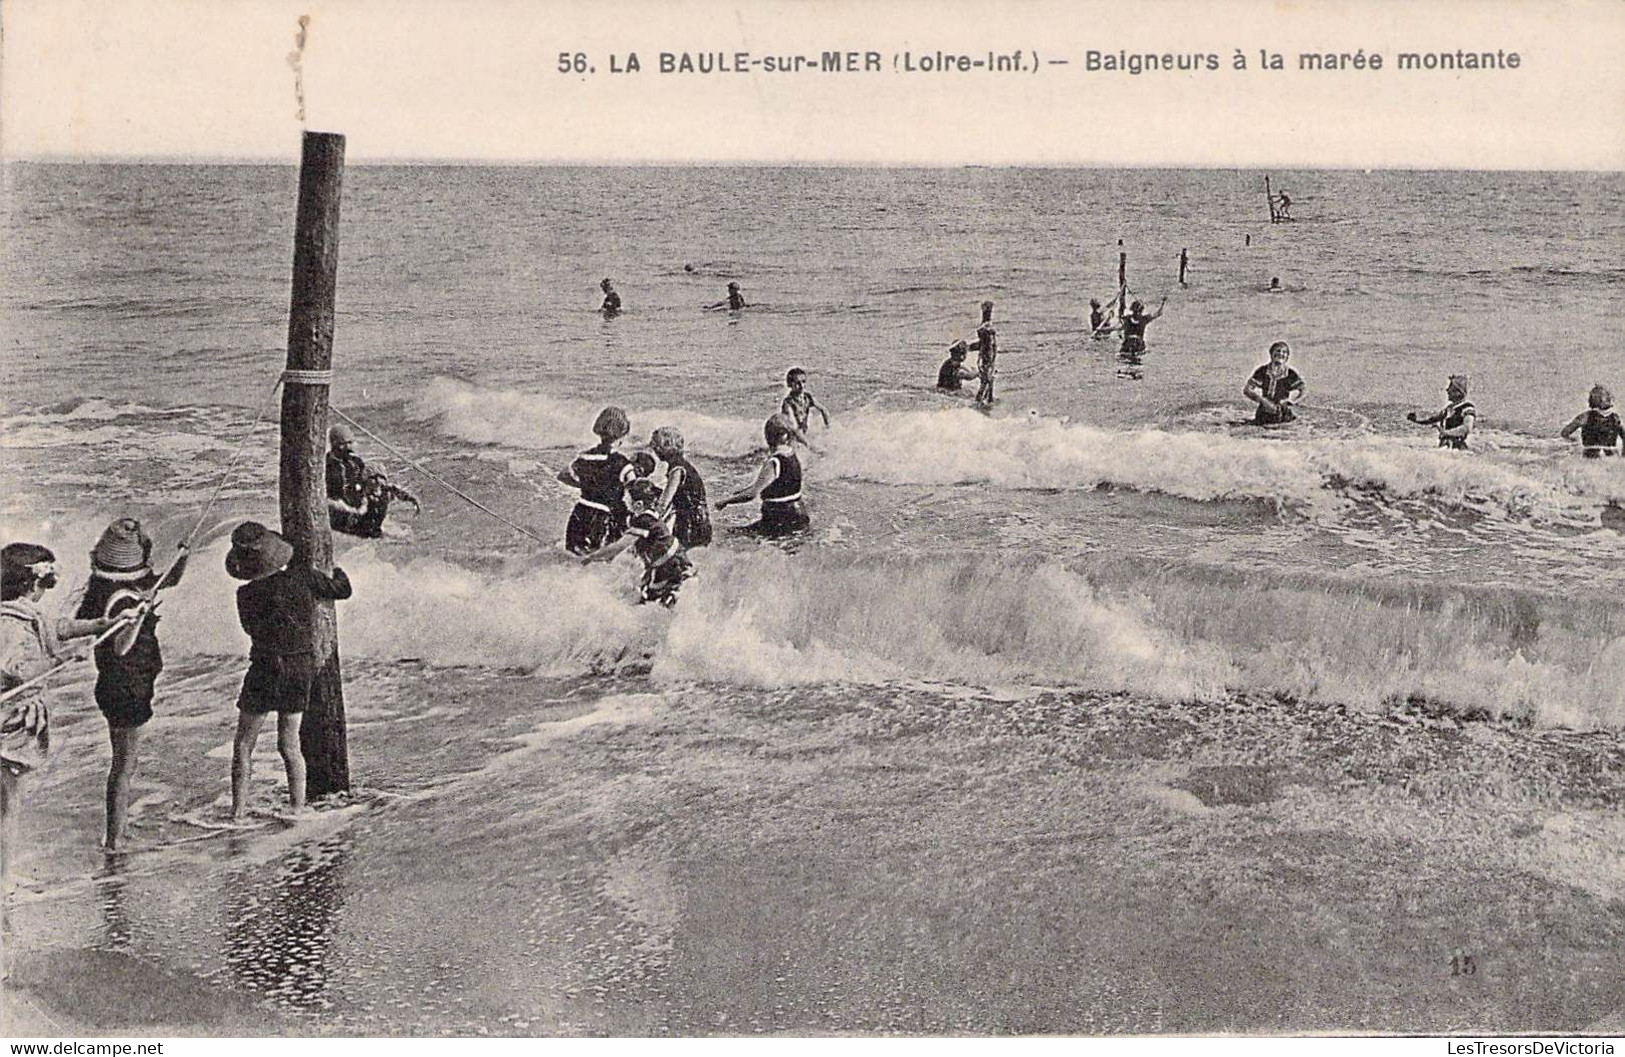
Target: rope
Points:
(1030, 369)
(447, 485)
(118, 626)
(242, 446)
(295, 377)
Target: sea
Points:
(1109, 525)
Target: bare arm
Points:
(674, 481)
(610, 551)
(768, 474)
(1578, 421)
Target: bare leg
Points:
(10, 804)
(126, 743)
(293, 758)
(242, 759)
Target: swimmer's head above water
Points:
(1275, 284)
(1280, 352)
(1601, 398)
(1457, 389)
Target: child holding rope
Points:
(127, 665)
(31, 644)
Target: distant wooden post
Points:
(304, 443)
(1269, 197)
(1122, 280)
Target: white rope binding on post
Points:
(293, 377)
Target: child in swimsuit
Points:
(665, 566)
(128, 664)
(1601, 432)
(777, 485)
(684, 494)
(597, 473)
(798, 403)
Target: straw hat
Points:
(123, 548)
(256, 552)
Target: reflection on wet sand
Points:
(279, 932)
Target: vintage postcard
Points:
(813, 518)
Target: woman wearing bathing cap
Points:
(1455, 422)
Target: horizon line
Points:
(388, 161)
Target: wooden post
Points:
(1122, 280)
(1269, 197)
(304, 444)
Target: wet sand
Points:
(912, 861)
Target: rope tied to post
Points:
(295, 377)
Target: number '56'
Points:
(572, 63)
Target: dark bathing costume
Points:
(1451, 418)
(1134, 332)
(1601, 433)
(347, 482)
(124, 683)
(948, 374)
(782, 510)
(1274, 389)
(693, 525)
(596, 518)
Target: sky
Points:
(479, 80)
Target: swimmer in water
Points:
(1283, 206)
(800, 404)
(683, 497)
(599, 474)
(1099, 320)
(734, 303)
(642, 497)
(777, 485)
(665, 565)
(953, 371)
(1184, 263)
(612, 300)
(1456, 421)
(1274, 387)
(1275, 285)
(1601, 432)
(1134, 324)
